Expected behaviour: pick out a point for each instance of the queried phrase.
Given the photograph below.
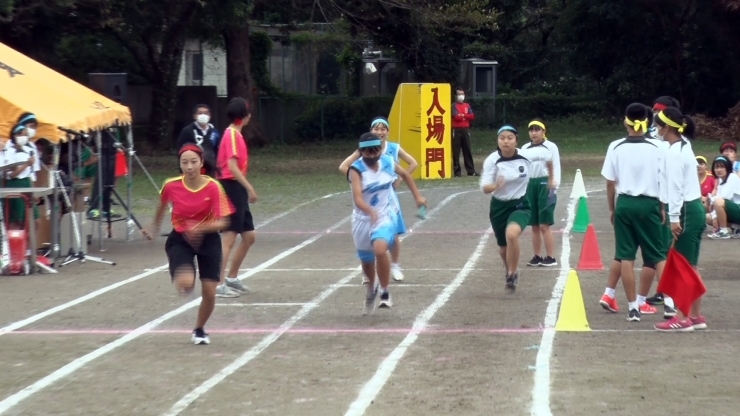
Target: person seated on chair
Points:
(20, 177)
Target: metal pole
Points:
(129, 181)
(99, 145)
(54, 203)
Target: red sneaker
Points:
(609, 303)
(646, 309)
(699, 322)
(675, 325)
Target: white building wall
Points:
(214, 66)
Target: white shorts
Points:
(365, 233)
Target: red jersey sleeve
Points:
(164, 193)
(221, 205)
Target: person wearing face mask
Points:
(462, 115)
(17, 151)
(660, 104)
(506, 175)
(374, 223)
(203, 134)
(28, 120)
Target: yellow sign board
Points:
(421, 120)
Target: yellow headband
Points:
(639, 125)
(538, 124)
(671, 123)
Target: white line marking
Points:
(148, 272)
(541, 389)
(398, 285)
(248, 356)
(373, 387)
(80, 362)
(243, 305)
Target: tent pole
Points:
(99, 145)
(129, 180)
(54, 203)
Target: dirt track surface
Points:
(454, 342)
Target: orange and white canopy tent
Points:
(57, 101)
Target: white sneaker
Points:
(200, 337)
(236, 285)
(223, 291)
(396, 272)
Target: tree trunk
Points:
(160, 133)
(239, 79)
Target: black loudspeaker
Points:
(111, 85)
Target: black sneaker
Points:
(536, 261)
(668, 312)
(634, 315)
(200, 337)
(655, 300)
(549, 262)
(385, 300)
(512, 280)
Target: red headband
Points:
(659, 107)
(191, 147)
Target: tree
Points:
(155, 34)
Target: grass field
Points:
(284, 176)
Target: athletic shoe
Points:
(236, 285)
(668, 312)
(512, 280)
(549, 262)
(655, 300)
(200, 337)
(609, 303)
(223, 291)
(720, 235)
(735, 233)
(536, 261)
(634, 316)
(646, 309)
(370, 300)
(385, 301)
(699, 322)
(396, 272)
(675, 325)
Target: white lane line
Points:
(541, 389)
(20, 324)
(82, 361)
(245, 305)
(373, 387)
(248, 356)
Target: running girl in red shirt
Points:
(200, 210)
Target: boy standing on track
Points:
(632, 170)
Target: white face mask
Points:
(21, 140)
(31, 132)
(658, 135)
(203, 119)
(460, 98)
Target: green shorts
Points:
(16, 212)
(693, 223)
(638, 223)
(667, 237)
(733, 212)
(541, 202)
(503, 213)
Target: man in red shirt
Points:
(462, 115)
(233, 163)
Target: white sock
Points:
(610, 292)
(640, 300)
(633, 305)
(726, 229)
(231, 279)
(668, 301)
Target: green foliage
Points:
(334, 118)
(260, 47)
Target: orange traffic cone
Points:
(590, 253)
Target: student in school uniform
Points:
(541, 198)
(28, 120)
(381, 128)
(374, 226)
(684, 209)
(17, 151)
(200, 210)
(725, 205)
(729, 150)
(632, 170)
(706, 180)
(506, 174)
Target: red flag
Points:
(681, 282)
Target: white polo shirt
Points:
(682, 182)
(515, 170)
(635, 164)
(539, 168)
(14, 155)
(730, 190)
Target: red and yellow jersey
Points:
(191, 207)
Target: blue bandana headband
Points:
(507, 128)
(379, 120)
(18, 128)
(370, 143)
